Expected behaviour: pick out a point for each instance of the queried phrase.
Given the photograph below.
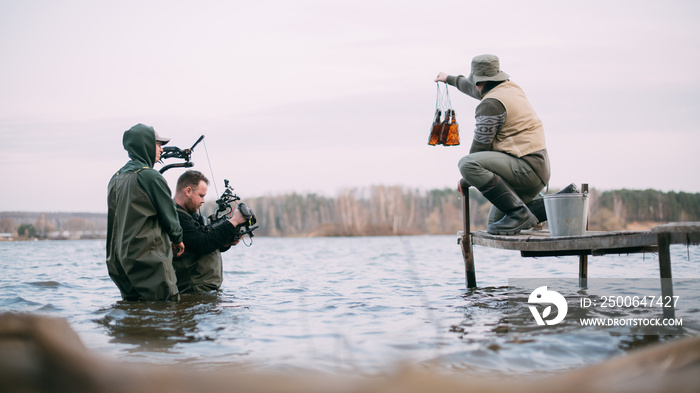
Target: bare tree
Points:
(7, 225)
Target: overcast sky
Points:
(321, 96)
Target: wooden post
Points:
(583, 270)
(466, 243)
(664, 240)
(583, 259)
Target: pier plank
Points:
(540, 241)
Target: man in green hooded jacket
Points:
(142, 222)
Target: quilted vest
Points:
(522, 132)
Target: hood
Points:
(140, 142)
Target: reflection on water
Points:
(158, 326)
(338, 305)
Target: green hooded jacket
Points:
(141, 223)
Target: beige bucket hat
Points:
(486, 68)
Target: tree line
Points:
(612, 210)
(378, 210)
(396, 210)
(38, 225)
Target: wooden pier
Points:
(534, 243)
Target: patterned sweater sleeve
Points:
(490, 115)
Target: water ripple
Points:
(333, 304)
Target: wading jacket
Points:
(141, 223)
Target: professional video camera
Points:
(227, 203)
(176, 152)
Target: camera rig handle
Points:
(226, 205)
(225, 201)
(176, 152)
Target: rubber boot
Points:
(536, 205)
(517, 215)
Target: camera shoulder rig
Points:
(176, 152)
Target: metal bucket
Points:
(567, 214)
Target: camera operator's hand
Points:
(178, 248)
(237, 218)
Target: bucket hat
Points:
(486, 68)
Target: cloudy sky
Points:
(321, 96)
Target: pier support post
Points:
(583, 259)
(466, 242)
(664, 242)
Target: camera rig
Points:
(176, 152)
(227, 204)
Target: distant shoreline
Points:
(381, 211)
(332, 231)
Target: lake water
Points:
(340, 305)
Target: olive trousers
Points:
(478, 168)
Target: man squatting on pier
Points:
(508, 161)
(200, 268)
